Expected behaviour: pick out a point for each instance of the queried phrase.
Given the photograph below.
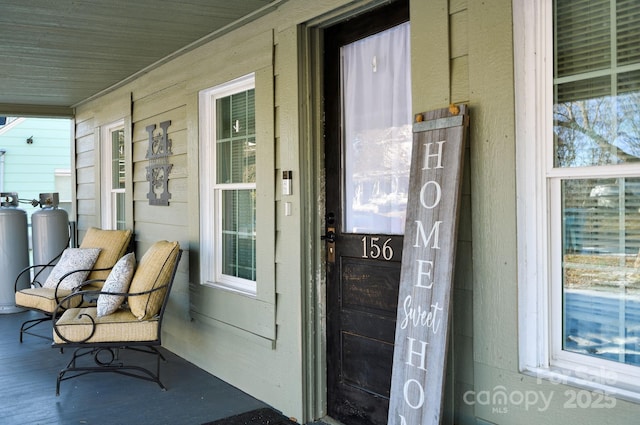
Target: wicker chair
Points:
(43, 298)
(129, 319)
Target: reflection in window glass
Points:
(594, 131)
(596, 83)
(596, 123)
(601, 267)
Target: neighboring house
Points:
(253, 172)
(34, 159)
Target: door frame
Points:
(312, 198)
(313, 300)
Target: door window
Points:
(376, 98)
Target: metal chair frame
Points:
(85, 348)
(27, 325)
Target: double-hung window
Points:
(578, 115)
(114, 176)
(228, 188)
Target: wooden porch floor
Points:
(28, 373)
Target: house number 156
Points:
(372, 247)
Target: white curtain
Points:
(376, 93)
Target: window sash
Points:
(590, 114)
(236, 237)
(577, 368)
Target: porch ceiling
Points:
(57, 54)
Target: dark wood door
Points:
(365, 221)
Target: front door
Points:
(368, 153)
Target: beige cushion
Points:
(113, 245)
(121, 326)
(154, 270)
(118, 281)
(72, 259)
(43, 299)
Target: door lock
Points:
(330, 237)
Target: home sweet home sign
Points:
(426, 275)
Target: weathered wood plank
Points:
(420, 354)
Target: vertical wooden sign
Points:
(426, 276)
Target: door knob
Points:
(329, 237)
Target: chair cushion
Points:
(117, 281)
(72, 259)
(154, 270)
(44, 299)
(122, 326)
(113, 245)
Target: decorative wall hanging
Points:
(159, 167)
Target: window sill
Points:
(602, 387)
(247, 292)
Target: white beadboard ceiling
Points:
(55, 54)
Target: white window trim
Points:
(108, 219)
(210, 197)
(539, 300)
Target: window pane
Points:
(583, 36)
(595, 99)
(628, 31)
(117, 159)
(119, 213)
(223, 118)
(592, 127)
(376, 86)
(251, 112)
(236, 145)
(583, 124)
(601, 267)
(238, 233)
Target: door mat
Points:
(264, 416)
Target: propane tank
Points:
(14, 250)
(49, 234)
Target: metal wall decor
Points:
(159, 167)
